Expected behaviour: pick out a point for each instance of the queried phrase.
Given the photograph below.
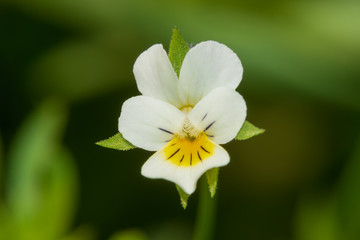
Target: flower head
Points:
(185, 118)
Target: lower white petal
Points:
(186, 176)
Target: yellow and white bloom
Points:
(185, 119)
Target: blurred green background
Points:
(66, 69)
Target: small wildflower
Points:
(186, 118)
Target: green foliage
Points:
(1, 163)
(33, 148)
(1, 150)
(59, 198)
(247, 131)
(212, 178)
(81, 69)
(337, 216)
(42, 181)
(129, 234)
(349, 196)
(117, 142)
(317, 219)
(80, 233)
(183, 196)
(177, 51)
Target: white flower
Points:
(185, 119)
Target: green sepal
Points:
(183, 196)
(212, 179)
(248, 130)
(177, 51)
(117, 142)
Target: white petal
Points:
(207, 66)
(220, 114)
(148, 123)
(186, 177)
(155, 76)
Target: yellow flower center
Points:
(186, 151)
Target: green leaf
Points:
(31, 152)
(248, 131)
(117, 142)
(59, 197)
(58, 200)
(177, 51)
(183, 196)
(42, 181)
(212, 178)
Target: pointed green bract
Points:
(212, 179)
(177, 51)
(247, 131)
(183, 196)
(117, 142)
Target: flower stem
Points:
(205, 221)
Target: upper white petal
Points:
(207, 66)
(186, 177)
(155, 76)
(220, 114)
(144, 121)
